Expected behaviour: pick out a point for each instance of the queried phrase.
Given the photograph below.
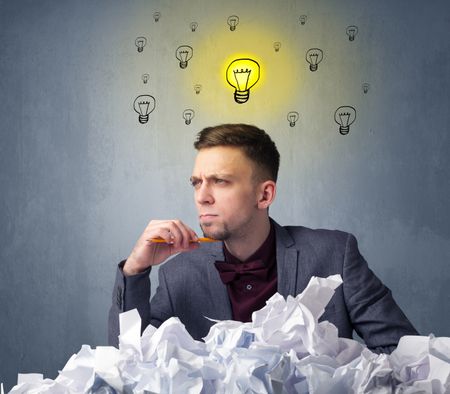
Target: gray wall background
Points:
(80, 177)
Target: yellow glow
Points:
(280, 80)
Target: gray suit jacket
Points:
(191, 289)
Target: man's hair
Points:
(255, 143)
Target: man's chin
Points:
(209, 232)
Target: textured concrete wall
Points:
(80, 177)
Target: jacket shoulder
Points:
(318, 237)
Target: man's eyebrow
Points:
(212, 176)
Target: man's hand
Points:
(178, 237)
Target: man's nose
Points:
(203, 194)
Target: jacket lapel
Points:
(218, 291)
(295, 262)
(287, 262)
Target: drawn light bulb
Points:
(277, 46)
(188, 115)
(140, 42)
(242, 74)
(292, 117)
(352, 31)
(233, 21)
(194, 26)
(156, 16)
(144, 105)
(184, 54)
(303, 19)
(197, 88)
(344, 117)
(314, 56)
(365, 87)
(145, 78)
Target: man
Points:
(234, 180)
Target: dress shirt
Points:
(252, 282)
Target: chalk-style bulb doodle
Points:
(344, 117)
(188, 115)
(352, 31)
(193, 26)
(277, 46)
(140, 42)
(233, 21)
(197, 88)
(314, 56)
(303, 19)
(144, 105)
(242, 74)
(365, 87)
(184, 54)
(145, 78)
(292, 117)
(156, 16)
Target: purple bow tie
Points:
(230, 272)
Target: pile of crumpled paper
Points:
(283, 350)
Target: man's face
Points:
(226, 192)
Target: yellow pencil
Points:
(160, 240)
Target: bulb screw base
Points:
(241, 97)
(313, 67)
(344, 129)
(183, 64)
(143, 119)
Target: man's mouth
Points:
(207, 219)
(206, 216)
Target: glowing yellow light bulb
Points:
(242, 74)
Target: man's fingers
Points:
(194, 236)
(185, 234)
(173, 232)
(163, 234)
(176, 237)
(176, 234)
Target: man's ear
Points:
(266, 194)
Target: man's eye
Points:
(195, 182)
(218, 180)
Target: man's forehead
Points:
(221, 161)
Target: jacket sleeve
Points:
(129, 292)
(374, 314)
(133, 292)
